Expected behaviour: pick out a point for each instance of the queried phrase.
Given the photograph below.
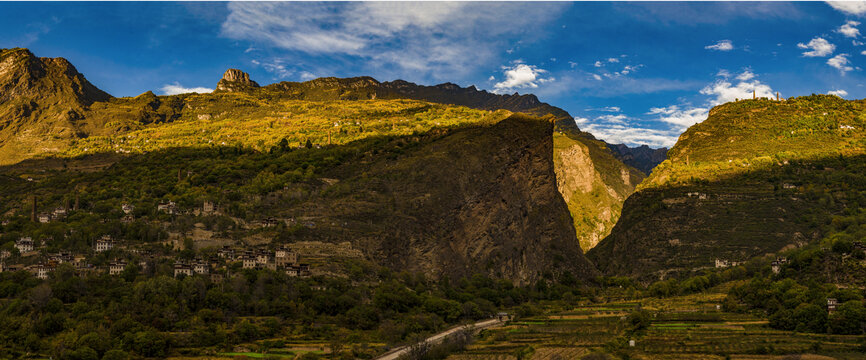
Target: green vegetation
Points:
(154, 315)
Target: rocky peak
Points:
(236, 80)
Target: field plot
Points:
(687, 327)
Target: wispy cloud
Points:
(434, 38)
(176, 88)
(841, 63)
(722, 45)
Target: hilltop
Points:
(757, 177)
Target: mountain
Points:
(42, 103)
(642, 157)
(756, 177)
(592, 180)
(440, 179)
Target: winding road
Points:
(400, 351)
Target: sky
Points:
(638, 73)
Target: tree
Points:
(810, 318)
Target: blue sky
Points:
(638, 73)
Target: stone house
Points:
(201, 267)
(168, 207)
(831, 305)
(249, 262)
(104, 243)
(208, 208)
(181, 268)
(285, 257)
(24, 244)
(44, 218)
(116, 267)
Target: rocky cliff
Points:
(479, 200)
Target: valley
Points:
(344, 218)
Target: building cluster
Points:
(281, 259)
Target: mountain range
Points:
(441, 180)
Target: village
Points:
(32, 255)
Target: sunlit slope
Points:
(756, 177)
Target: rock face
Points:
(593, 183)
(479, 200)
(236, 80)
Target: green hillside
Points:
(756, 177)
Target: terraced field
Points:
(686, 327)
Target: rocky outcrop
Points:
(236, 80)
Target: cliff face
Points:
(756, 177)
(479, 200)
(593, 183)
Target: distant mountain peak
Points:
(235, 80)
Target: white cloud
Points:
(857, 43)
(306, 75)
(611, 109)
(176, 88)
(839, 93)
(520, 76)
(840, 62)
(429, 39)
(612, 60)
(598, 64)
(863, 52)
(572, 64)
(724, 91)
(722, 45)
(849, 7)
(613, 119)
(596, 76)
(819, 46)
(849, 29)
(746, 75)
(580, 120)
(682, 118)
(621, 134)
